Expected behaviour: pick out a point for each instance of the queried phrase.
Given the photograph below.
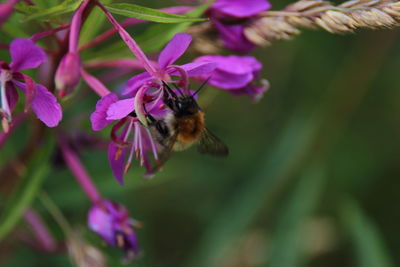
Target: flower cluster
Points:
(146, 97)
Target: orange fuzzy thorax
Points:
(189, 130)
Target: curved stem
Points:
(76, 27)
(131, 43)
(79, 171)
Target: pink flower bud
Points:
(68, 74)
(6, 10)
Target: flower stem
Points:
(79, 171)
(76, 27)
(130, 22)
(41, 35)
(130, 42)
(95, 84)
(40, 230)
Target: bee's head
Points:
(184, 106)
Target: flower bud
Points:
(68, 74)
(6, 10)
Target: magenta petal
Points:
(12, 95)
(99, 116)
(100, 222)
(174, 49)
(120, 109)
(135, 83)
(199, 68)
(233, 37)
(25, 54)
(233, 64)
(254, 92)
(226, 80)
(44, 105)
(240, 8)
(117, 161)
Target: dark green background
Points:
(312, 178)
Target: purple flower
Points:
(173, 50)
(134, 139)
(236, 74)
(145, 99)
(230, 17)
(26, 55)
(6, 10)
(111, 221)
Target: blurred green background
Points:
(312, 178)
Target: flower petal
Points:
(120, 109)
(239, 8)
(226, 80)
(254, 92)
(174, 49)
(99, 116)
(44, 105)
(199, 68)
(100, 222)
(135, 83)
(116, 156)
(12, 95)
(25, 54)
(233, 37)
(232, 72)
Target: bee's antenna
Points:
(172, 93)
(177, 88)
(202, 86)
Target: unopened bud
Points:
(68, 74)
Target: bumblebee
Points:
(184, 126)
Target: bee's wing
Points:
(210, 144)
(164, 155)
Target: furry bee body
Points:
(183, 127)
(188, 129)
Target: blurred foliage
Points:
(312, 178)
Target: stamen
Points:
(134, 143)
(120, 240)
(5, 124)
(152, 144)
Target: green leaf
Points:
(140, 12)
(287, 246)
(369, 245)
(30, 185)
(93, 24)
(152, 40)
(64, 7)
(27, 9)
(158, 35)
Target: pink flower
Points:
(230, 17)
(165, 67)
(235, 74)
(145, 100)
(26, 55)
(111, 221)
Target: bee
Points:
(184, 126)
